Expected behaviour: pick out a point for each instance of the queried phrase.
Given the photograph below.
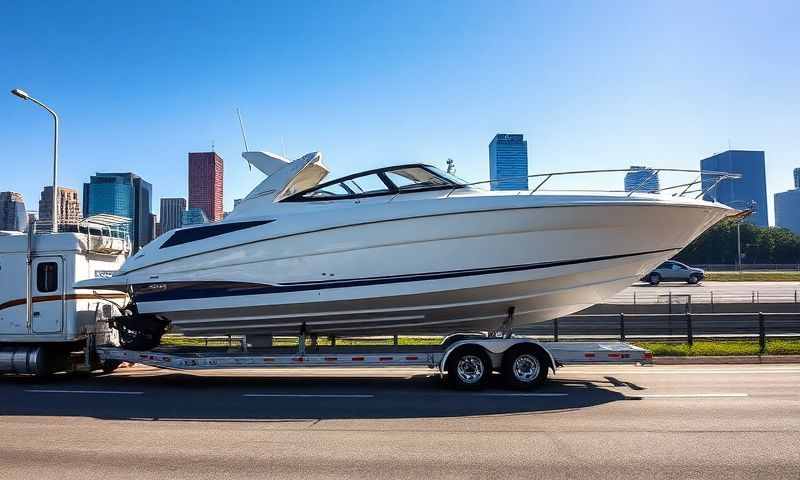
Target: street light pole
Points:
(23, 95)
(738, 247)
(752, 208)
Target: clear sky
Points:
(591, 84)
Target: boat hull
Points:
(542, 262)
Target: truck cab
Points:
(41, 314)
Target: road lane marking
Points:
(690, 395)
(308, 395)
(82, 392)
(520, 394)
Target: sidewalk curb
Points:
(732, 359)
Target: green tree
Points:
(759, 245)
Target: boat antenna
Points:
(244, 137)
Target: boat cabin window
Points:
(414, 178)
(386, 181)
(47, 277)
(364, 185)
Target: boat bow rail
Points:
(703, 182)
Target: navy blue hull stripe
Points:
(194, 290)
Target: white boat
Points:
(406, 249)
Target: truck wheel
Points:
(524, 367)
(468, 368)
(655, 279)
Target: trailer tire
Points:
(468, 368)
(525, 367)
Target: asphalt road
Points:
(589, 422)
(722, 292)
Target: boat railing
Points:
(704, 182)
(105, 234)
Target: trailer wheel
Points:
(468, 368)
(525, 367)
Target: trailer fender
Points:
(496, 347)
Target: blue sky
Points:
(591, 84)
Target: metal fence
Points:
(678, 326)
(648, 296)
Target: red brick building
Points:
(205, 183)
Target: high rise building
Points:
(124, 194)
(12, 212)
(641, 179)
(69, 210)
(787, 206)
(508, 158)
(153, 225)
(205, 183)
(743, 192)
(172, 213)
(194, 216)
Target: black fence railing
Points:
(677, 326)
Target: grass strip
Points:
(726, 348)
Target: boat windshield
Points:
(385, 181)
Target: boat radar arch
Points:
(267, 162)
(284, 178)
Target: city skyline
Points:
(601, 86)
(750, 163)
